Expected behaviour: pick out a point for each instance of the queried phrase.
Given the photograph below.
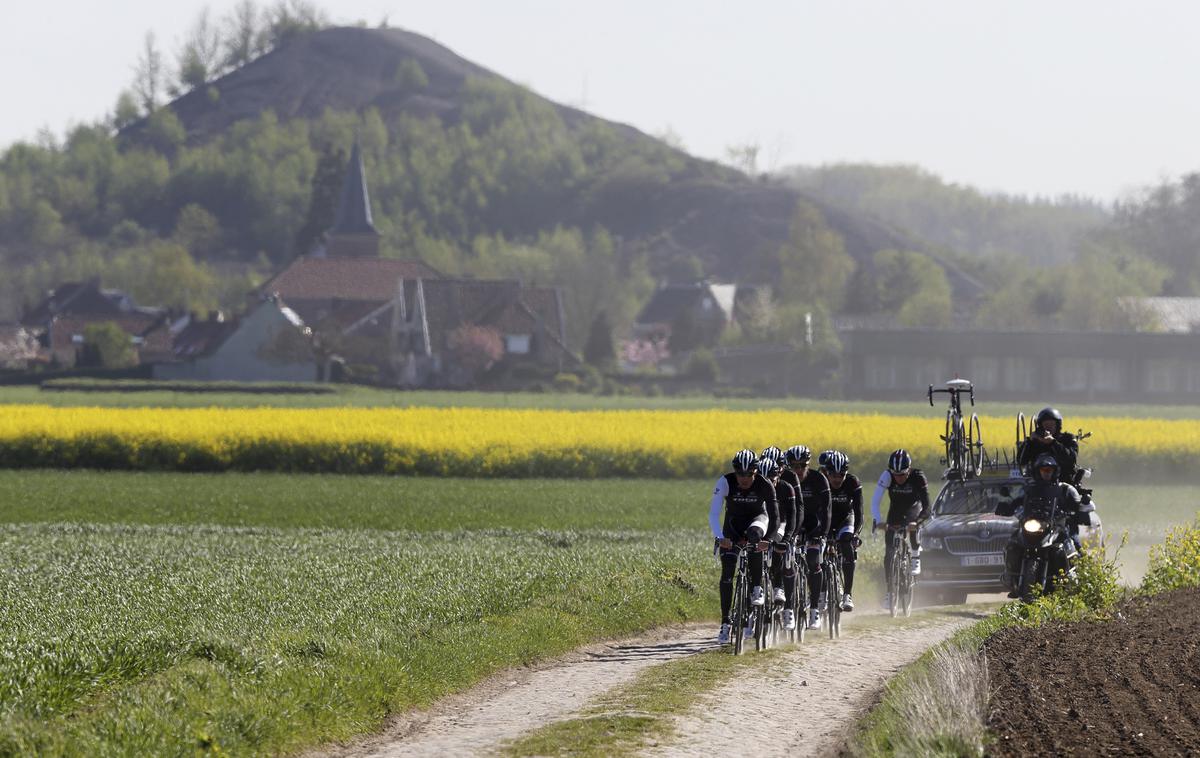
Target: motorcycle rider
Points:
(749, 506)
(1044, 488)
(908, 493)
(783, 570)
(1048, 436)
(845, 494)
(814, 502)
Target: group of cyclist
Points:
(776, 501)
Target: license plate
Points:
(983, 560)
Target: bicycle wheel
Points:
(894, 582)
(762, 619)
(801, 598)
(975, 444)
(948, 438)
(741, 599)
(833, 604)
(906, 584)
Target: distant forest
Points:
(511, 189)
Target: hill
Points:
(670, 205)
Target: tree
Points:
(599, 349)
(326, 186)
(148, 75)
(198, 231)
(200, 57)
(912, 286)
(744, 157)
(289, 18)
(813, 265)
(108, 345)
(475, 348)
(243, 35)
(125, 112)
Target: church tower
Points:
(353, 233)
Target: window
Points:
(1020, 374)
(984, 373)
(1160, 375)
(1071, 374)
(1192, 377)
(880, 371)
(517, 344)
(1106, 375)
(928, 371)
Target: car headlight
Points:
(1033, 526)
(933, 543)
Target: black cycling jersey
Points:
(785, 495)
(742, 507)
(814, 493)
(846, 504)
(905, 499)
(790, 477)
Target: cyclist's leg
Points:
(754, 534)
(816, 578)
(889, 551)
(728, 567)
(849, 557)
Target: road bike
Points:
(963, 438)
(835, 583)
(743, 613)
(800, 595)
(900, 579)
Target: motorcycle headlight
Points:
(1033, 526)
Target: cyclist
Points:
(773, 453)
(845, 494)
(813, 489)
(748, 502)
(783, 571)
(908, 492)
(1047, 436)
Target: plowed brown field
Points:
(1130, 686)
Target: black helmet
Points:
(798, 454)
(836, 462)
(745, 461)
(1047, 413)
(900, 461)
(1045, 460)
(768, 467)
(771, 453)
(823, 458)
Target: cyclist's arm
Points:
(856, 509)
(885, 480)
(717, 505)
(923, 496)
(825, 503)
(787, 512)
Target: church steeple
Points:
(353, 232)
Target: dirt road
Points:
(827, 684)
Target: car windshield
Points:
(976, 497)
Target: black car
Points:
(962, 545)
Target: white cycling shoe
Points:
(780, 595)
(757, 596)
(916, 565)
(789, 620)
(723, 635)
(847, 602)
(814, 619)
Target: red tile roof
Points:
(345, 278)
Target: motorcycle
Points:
(1049, 552)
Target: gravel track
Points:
(820, 686)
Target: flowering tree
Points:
(644, 353)
(475, 348)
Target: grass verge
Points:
(937, 706)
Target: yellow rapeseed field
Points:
(510, 442)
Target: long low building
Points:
(1063, 366)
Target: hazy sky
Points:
(1096, 98)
